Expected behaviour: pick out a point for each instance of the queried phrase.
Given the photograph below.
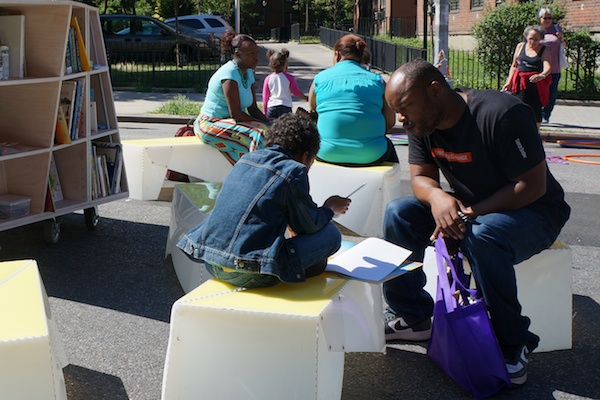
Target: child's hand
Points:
(338, 204)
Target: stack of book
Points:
(76, 59)
(107, 169)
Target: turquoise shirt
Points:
(351, 122)
(215, 104)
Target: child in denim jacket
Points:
(265, 227)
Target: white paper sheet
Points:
(373, 260)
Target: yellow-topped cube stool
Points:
(282, 342)
(544, 291)
(365, 215)
(30, 351)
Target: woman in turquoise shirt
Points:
(229, 119)
(353, 115)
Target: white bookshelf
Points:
(29, 108)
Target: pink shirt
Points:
(278, 89)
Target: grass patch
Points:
(310, 39)
(180, 105)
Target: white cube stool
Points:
(282, 342)
(31, 355)
(544, 291)
(365, 216)
(190, 205)
(147, 161)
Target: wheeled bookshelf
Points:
(29, 111)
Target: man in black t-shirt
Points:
(505, 205)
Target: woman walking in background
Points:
(230, 119)
(529, 77)
(553, 38)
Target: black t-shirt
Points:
(495, 140)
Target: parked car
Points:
(213, 41)
(206, 23)
(146, 39)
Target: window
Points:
(454, 5)
(214, 23)
(476, 4)
(192, 23)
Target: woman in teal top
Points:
(230, 119)
(353, 115)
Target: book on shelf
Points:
(12, 34)
(77, 109)
(8, 148)
(372, 260)
(82, 60)
(69, 56)
(62, 129)
(54, 182)
(68, 90)
(114, 163)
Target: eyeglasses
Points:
(546, 17)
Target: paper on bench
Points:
(373, 260)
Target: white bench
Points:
(286, 341)
(365, 215)
(544, 283)
(147, 161)
(31, 354)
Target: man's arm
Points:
(522, 191)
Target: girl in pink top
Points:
(279, 86)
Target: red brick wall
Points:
(580, 14)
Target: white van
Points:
(205, 23)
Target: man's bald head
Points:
(416, 73)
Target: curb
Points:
(551, 137)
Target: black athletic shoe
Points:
(396, 328)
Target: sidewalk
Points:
(574, 120)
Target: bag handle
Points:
(455, 266)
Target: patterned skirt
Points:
(233, 139)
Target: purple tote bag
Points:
(463, 343)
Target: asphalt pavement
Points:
(111, 289)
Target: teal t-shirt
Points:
(351, 122)
(215, 104)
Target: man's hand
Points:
(445, 211)
(338, 204)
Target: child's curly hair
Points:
(277, 59)
(296, 133)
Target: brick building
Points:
(465, 13)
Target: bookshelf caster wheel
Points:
(91, 218)
(52, 230)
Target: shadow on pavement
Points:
(86, 384)
(553, 375)
(119, 266)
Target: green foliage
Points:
(180, 105)
(166, 8)
(411, 42)
(584, 51)
(336, 11)
(500, 30)
(136, 7)
(310, 39)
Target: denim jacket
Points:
(265, 192)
